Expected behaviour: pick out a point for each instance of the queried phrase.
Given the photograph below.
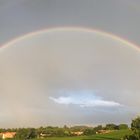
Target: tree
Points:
(135, 127)
(89, 131)
(130, 137)
(97, 128)
(123, 126)
(22, 133)
(32, 133)
(111, 126)
(26, 133)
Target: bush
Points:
(123, 126)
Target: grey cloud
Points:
(53, 64)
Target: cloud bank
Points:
(84, 101)
(79, 77)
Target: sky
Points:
(69, 75)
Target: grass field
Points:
(116, 135)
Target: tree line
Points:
(135, 127)
(50, 131)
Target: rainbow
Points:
(64, 29)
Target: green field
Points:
(116, 135)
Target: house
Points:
(77, 133)
(103, 131)
(6, 135)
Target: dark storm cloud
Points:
(23, 16)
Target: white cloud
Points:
(88, 101)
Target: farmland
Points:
(116, 135)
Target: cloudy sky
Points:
(70, 74)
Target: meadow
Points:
(116, 135)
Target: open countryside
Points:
(114, 135)
(108, 132)
(69, 69)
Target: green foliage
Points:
(8, 130)
(78, 128)
(135, 127)
(111, 127)
(130, 137)
(26, 133)
(65, 133)
(123, 126)
(89, 131)
(53, 131)
(21, 133)
(97, 128)
(116, 135)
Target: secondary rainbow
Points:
(65, 29)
